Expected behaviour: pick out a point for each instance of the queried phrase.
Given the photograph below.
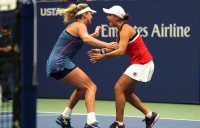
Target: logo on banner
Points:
(157, 30)
(171, 30)
(49, 12)
(162, 30)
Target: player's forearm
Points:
(107, 50)
(115, 53)
(94, 42)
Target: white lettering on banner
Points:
(172, 30)
(107, 31)
(142, 30)
(49, 12)
(160, 31)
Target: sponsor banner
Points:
(169, 29)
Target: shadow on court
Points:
(47, 120)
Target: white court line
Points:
(56, 113)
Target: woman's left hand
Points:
(97, 31)
(95, 56)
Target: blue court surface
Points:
(47, 120)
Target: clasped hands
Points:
(97, 54)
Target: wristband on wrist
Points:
(103, 51)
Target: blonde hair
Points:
(69, 13)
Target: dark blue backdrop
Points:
(176, 56)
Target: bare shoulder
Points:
(76, 25)
(79, 24)
(128, 29)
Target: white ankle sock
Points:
(148, 115)
(67, 112)
(91, 118)
(120, 123)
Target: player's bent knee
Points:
(92, 88)
(118, 89)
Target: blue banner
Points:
(170, 31)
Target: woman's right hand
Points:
(93, 51)
(112, 45)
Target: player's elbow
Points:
(86, 38)
(121, 52)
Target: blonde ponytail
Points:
(68, 13)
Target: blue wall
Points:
(176, 55)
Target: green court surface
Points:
(166, 110)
